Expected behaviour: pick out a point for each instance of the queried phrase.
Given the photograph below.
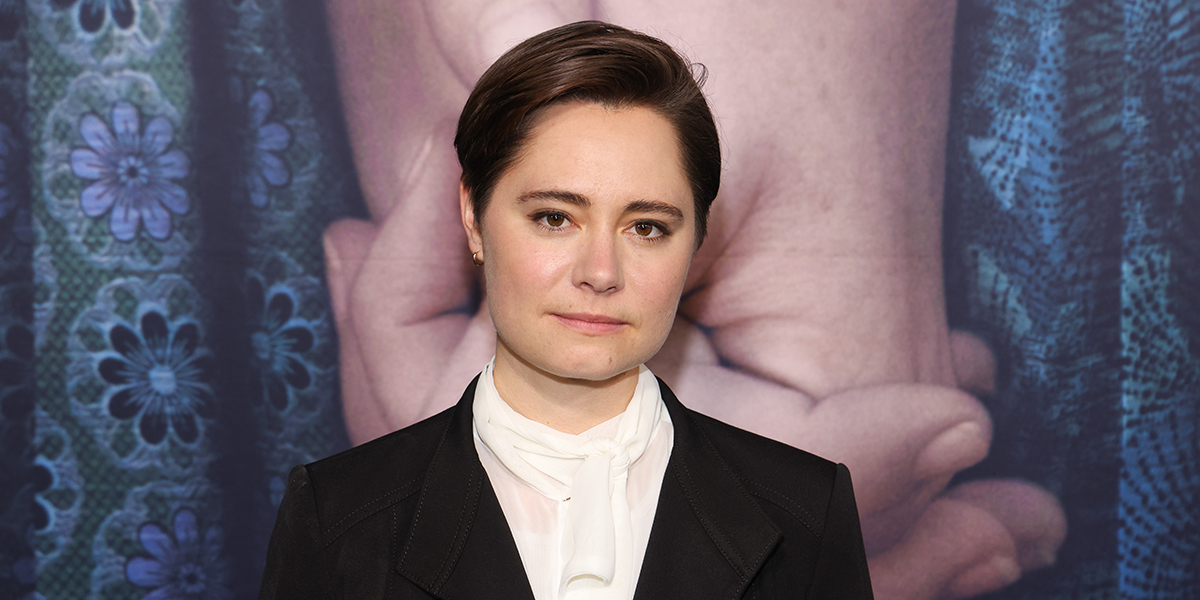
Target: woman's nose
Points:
(598, 264)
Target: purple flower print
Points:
(132, 170)
(268, 169)
(181, 566)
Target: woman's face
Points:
(586, 242)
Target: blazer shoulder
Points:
(797, 482)
(352, 485)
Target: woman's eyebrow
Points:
(637, 206)
(654, 206)
(559, 195)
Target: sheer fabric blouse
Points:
(577, 553)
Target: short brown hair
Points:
(586, 61)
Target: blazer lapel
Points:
(709, 538)
(459, 545)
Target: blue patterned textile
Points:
(1073, 246)
(167, 351)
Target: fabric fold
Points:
(589, 475)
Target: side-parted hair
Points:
(588, 61)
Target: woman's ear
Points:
(469, 221)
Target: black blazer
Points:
(412, 515)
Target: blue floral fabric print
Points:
(20, 476)
(104, 33)
(93, 13)
(166, 332)
(268, 170)
(133, 171)
(280, 343)
(159, 375)
(179, 564)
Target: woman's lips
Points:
(591, 324)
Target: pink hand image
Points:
(814, 312)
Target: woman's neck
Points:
(564, 404)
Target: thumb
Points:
(903, 442)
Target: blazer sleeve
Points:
(841, 571)
(293, 569)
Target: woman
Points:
(567, 470)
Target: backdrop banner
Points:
(169, 348)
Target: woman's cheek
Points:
(661, 292)
(524, 281)
(544, 268)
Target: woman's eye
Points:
(552, 220)
(645, 229)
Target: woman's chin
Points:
(590, 373)
(586, 368)
(577, 359)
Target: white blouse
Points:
(580, 507)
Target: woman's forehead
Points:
(601, 153)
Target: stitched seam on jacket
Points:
(462, 538)
(400, 493)
(782, 501)
(421, 499)
(725, 467)
(762, 552)
(750, 485)
(408, 544)
(685, 479)
(813, 580)
(391, 577)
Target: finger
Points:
(394, 89)
(472, 34)
(418, 265)
(903, 442)
(954, 550)
(365, 415)
(416, 292)
(419, 259)
(974, 363)
(346, 245)
(1034, 518)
